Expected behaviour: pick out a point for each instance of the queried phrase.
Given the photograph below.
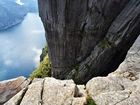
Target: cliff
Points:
(121, 87)
(12, 13)
(87, 38)
(85, 41)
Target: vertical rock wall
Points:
(87, 38)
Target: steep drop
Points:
(87, 38)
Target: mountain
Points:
(13, 12)
(88, 38)
(32, 5)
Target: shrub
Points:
(43, 70)
(44, 52)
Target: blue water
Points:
(20, 47)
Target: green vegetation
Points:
(44, 69)
(87, 66)
(105, 43)
(73, 76)
(90, 101)
(45, 50)
(76, 68)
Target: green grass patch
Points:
(90, 101)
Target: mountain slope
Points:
(12, 13)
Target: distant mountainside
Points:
(12, 12)
(31, 5)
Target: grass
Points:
(90, 101)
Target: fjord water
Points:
(20, 47)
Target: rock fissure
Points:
(41, 93)
(22, 95)
(123, 99)
(123, 87)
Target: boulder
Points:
(9, 88)
(50, 91)
(33, 94)
(17, 98)
(58, 92)
(121, 87)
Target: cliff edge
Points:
(122, 87)
(88, 38)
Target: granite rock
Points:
(50, 91)
(122, 87)
(88, 38)
(9, 88)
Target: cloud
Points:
(7, 62)
(19, 2)
(37, 57)
(8, 42)
(37, 31)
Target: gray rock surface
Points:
(87, 38)
(11, 87)
(121, 87)
(50, 91)
(17, 98)
(33, 94)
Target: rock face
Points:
(50, 91)
(11, 87)
(87, 38)
(121, 87)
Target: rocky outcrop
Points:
(11, 87)
(87, 38)
(50, 91)
(121, 87)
